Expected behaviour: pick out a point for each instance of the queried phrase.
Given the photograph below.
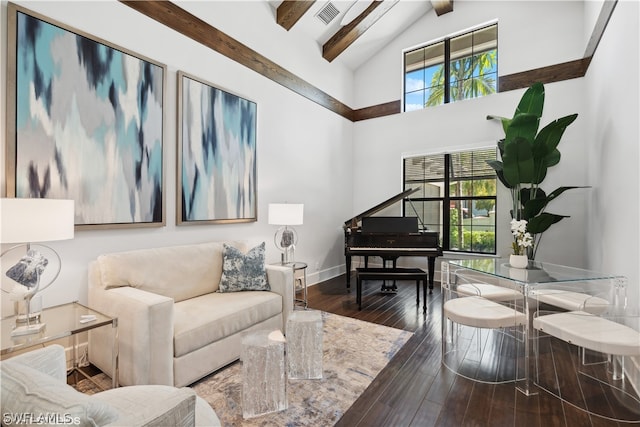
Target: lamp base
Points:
(28, 329)
(26, 318)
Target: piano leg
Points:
(348, 265)
(432, 270)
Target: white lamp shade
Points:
(36, 220)
(285, 213)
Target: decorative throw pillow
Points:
(243, 272)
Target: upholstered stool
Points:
(587, 331)
(591, 332)
(479, 313)
(572, 301)
(488, 291)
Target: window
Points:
(456, 198)
(456, 68)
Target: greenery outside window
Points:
(453, 69)
(456, 198)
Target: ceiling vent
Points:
(327, 13)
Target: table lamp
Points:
(286, 238)
(25, 221)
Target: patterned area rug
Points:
(354, 353)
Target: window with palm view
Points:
(453, 69)
(456, 198)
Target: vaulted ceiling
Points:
(353, 30)
(362, 35)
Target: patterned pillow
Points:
(243, 272)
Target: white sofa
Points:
(174, 327)
(35, 392)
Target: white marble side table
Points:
(264, 379)
(304, 344)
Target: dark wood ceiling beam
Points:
(442, 6)
(198, 30)
(290, 11)
(341, 40)
(552, 73)
(380, 110)
(187, 24)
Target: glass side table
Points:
(60, 322)
(299, 282)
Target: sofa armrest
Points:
(50, 360)
(145, 333)
(151, 405)
(280, 280)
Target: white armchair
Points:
(34, 386)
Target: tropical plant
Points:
(470, 77)
(526, 155)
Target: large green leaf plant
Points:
(526, 155)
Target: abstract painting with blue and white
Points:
(218, 154)
(89, 125)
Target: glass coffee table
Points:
(62, 321)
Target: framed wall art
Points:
(216, 154)
(85, 122)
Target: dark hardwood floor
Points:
(414, 389)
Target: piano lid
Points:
(353, 222)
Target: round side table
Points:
(299, 281)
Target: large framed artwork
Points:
(216, 154)
(85, 122)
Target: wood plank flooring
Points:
(415, 389)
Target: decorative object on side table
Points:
(522, 241)
(286, 238)
(25, 221)
(526, 155)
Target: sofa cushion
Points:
(208, 318)
(243, 272)
(28, 391)
(178, 272)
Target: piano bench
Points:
(416, 274)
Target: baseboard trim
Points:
(323, 275)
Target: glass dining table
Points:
(534, 281)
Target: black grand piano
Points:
(389, 237)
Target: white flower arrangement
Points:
(521, 237)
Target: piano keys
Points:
(389, 237)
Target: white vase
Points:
(518, 261)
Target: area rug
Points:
(354, 353)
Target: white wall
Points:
(531, 34)
(380, 144)
(291, 49)
(613, 93)
(304, 150)
(600, 149)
